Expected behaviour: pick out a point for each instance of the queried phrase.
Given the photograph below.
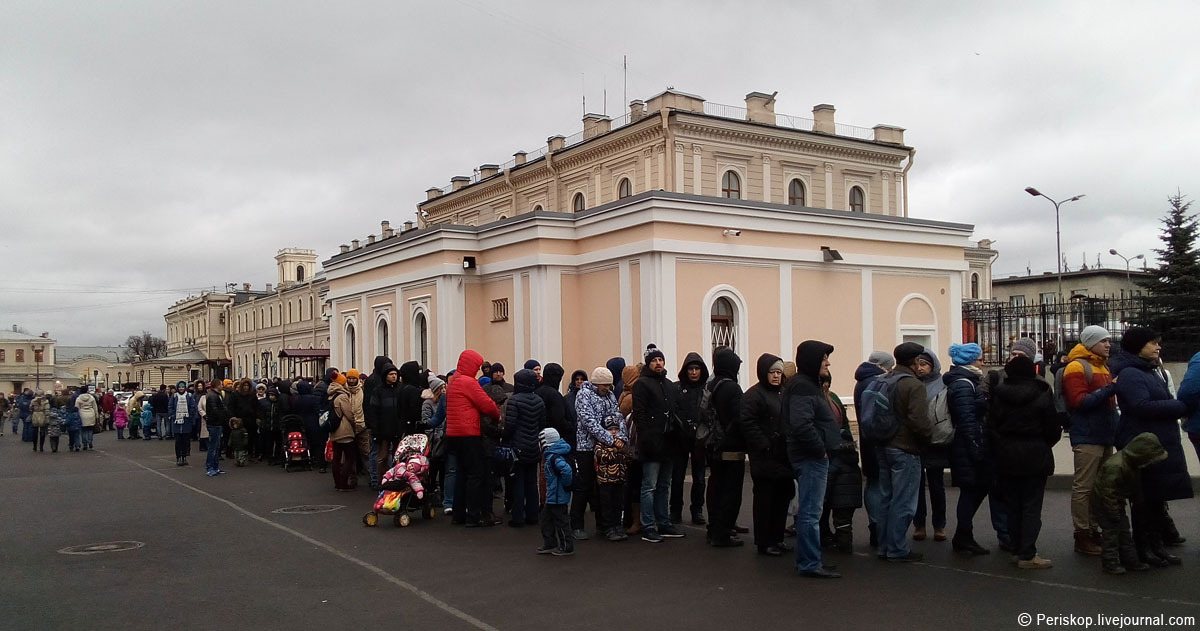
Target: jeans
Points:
(899, 483)
(932, 478)
(811, 478)
(872, 500)
(73, 439)
(585, 490)
(212, 461)
(1023, 495)
(656, 492)
(724, 497)
(373, 464)
(524, 483)
(160, 424)
(86, 437)
(450, 479)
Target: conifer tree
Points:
(1175, 286)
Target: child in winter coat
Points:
(612, 468)
(556, 524)
(239, 440)
(1118, 481)
(147, 420)
(120, 420)
(54, 427)
(74, 427)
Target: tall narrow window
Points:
(299, 273)
(381, 337)
(857, 200)
(731, 185)
(724, 324)
(624, 189)
(351, 345)
(796, 193)
(421, 329)
(975, 286)
(578, 203)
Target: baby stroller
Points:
(295, 447)
(403, 486)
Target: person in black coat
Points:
(843, 487)
(728, 459)
(372, 382)
(655, 410)
(270, 427)
(762, 428)
(693, 375)
(1146, 405)
(558, 414)
(1023, 426)
(524, 418)
(307, 406)
(243, 403)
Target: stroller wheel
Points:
(370, 519)
(428, 512)
(403, 520)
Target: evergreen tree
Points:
(1175, 287)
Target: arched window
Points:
(975, 286)
(578, 203)
(624, 188)
(537, 208)
(299, 273)
(796, 193)
(381, 337)
(731, 185)
(421, 331)
(724, 324)
(857, 200)
(351, 345)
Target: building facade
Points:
(100, 366)
(686, 227)
(1097, 282)
(27, 361)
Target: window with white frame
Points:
(731, 185)
(796, 192)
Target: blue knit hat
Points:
(965, 354)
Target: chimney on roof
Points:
(370, 239)
(408, 225)
(432, 193)
(385, 228)
(595, 124)
(519, 158)
(354, 244)
(458, 182)
(823, 118)
(760, 107)
(245, 286)
(889, 134)
(269, 288)
(637, 110)
(45, 334)
(488, 170)
(555, 143)
(343, 248)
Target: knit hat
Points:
(227, 382)
(1025, 345)
(1020, 366)
(778, 365)
(532, 363)
(882, 359)
(548, 437)
(965, 354)
(352, 373)
(1093, 335)
(601, 376)
(498, 367)
(1137, 337)
(653, 352)
(181, 384)
(435, 383)
(340, 379)
(907, 352)
(483, 381)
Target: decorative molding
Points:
(679, 146)
(697, 148)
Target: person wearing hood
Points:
(1189, 393)
(595, 407)
(345, 401)
(558, 415)
(182, 412)
(270, 416)
(1146, 405)
(971, 468)
(693, 376)
(811, 433)
(466, 403)
(728, 461)
(900, 458)
(616, 366)
(368, 385)
(244, 404)
(655, 408)
(1023, 426)
(578, 378)
(1120, 480)
(555, 524)
(933, 460)
(385, 418)
(878, 363)
(374, 381)
(307, 406)
(524, 418)
(1089, 397)
(89, 415)
(761, 425)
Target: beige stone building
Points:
(1100, 282)
(101, 366)
(27, 361)
(684, 224)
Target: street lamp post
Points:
(37, 363)
(1058, 251)
(1127, 259)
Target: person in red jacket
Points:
(466, 403)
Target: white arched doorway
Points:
(725, 322)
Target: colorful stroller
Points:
(295, 446)
(402, 489)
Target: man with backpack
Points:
(727, 449)
(1086, 391)
(906, 417)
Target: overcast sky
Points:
(148, 149)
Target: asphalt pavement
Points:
(121, 538)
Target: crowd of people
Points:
(621, 439)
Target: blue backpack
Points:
(877, 420)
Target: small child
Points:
(147, 420)
(612, 467)
(555, 523)
(238, 440)
(1120, 480)
(54, 429)
(120, 420)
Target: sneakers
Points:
(579, 534)
(670, 532)
(447, 511)
(651, 536)
(559, 552)
(970, 548)
(616, 535)
(1036, 563)
(210, 473)
(544, 549)
(911, 557)
(698, 518)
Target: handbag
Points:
(329, 451)
(437, 443)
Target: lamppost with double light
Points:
(1127, 260)
(1058, 251)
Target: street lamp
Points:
(1127, 259)
(1058, 249)
(37, 362)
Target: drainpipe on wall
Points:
(668, 151)
(227, 344)
(912, 156)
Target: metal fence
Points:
(995, 325)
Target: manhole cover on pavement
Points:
(307, 509)
(97, 548)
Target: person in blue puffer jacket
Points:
(1189, 393)
(556, 524)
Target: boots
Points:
(1085, 544)
(918, 533)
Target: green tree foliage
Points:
(1175, 286)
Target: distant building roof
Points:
(68, 354)
(8, 335)
(1086, 273)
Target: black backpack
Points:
(330, 420)
(709, 432)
